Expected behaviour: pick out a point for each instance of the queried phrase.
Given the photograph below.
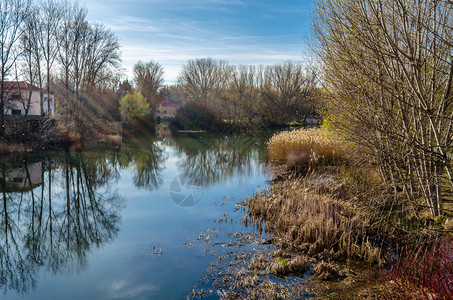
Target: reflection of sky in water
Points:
(131, 265)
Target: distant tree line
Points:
(276, 94)
(217, 91)
(51, 45)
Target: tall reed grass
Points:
(312, 220)
(327, 150)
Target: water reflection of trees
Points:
(210, 159)
(53, 223)
(55, 209)
(147, 158)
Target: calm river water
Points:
(123, 222)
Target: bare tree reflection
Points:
(147, 158)
(16, 271)
(54, 212)
(210, 159)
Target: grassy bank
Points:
(360, 238)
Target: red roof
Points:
(19, 85)
(171, 104)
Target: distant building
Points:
(22, 107)
(22, 98)
(167, 110)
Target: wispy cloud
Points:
(130, 23)
(126, 288)
(173, 57)
(174, 31)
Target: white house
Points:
(22, 98)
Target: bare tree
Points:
(287, 92)
(149, 79)
(64, 56)
(31, 55)
(388, 67)
(79, 32)
(203, 80)
(12, 15)
(88, 56)
(49, 18)
(102, 54)
(244, 92)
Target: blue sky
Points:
(173, 31)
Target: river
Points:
(144, 220)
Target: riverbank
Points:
(33, 144)
(56, 138)
(355, 235)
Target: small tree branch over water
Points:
(388, 69)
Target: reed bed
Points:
(308, 217)
(342, 209)
(314, 141)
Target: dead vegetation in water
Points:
(331, 224)
(310, 217)
(251, 275)
(342, 217)
(327, 270)
(244, 268)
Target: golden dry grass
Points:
(313, 221)
(305, 140)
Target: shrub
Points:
(134, 106)
(424, 271)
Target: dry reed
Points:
(316, 223)
(326, 149)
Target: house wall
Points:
(34, 108)
(52, 104)
(163, 131)
(164, 111)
